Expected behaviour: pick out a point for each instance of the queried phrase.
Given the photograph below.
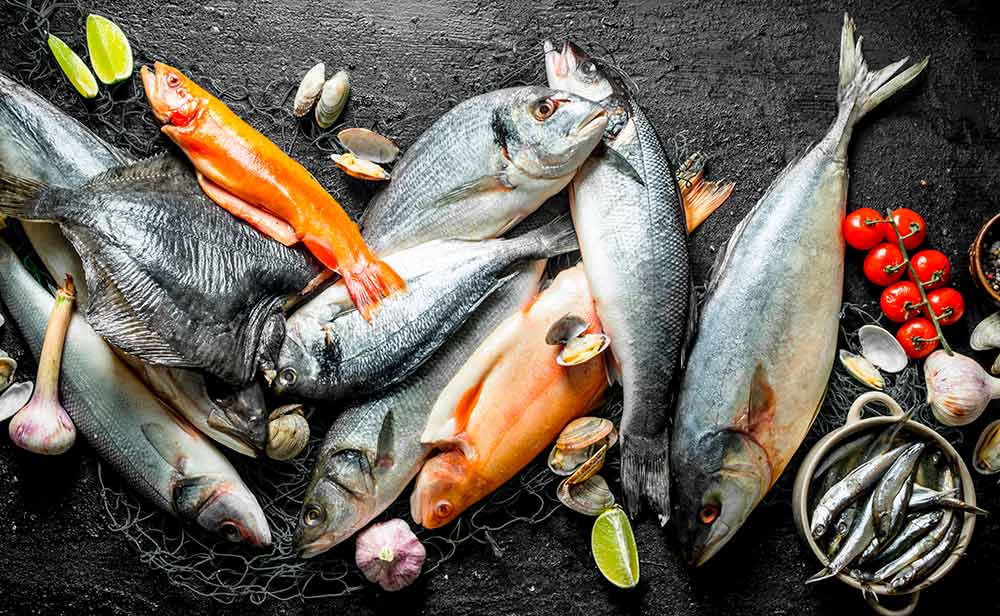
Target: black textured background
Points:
(751, 83)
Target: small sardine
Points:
(862, 533)
(918, 570)
(916, 527)
(918, 549)
(892, 493)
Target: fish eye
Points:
(173, 80)
(231, 532)
(544, 109)
(312, 516)
(708, 514)
(288, 376)
(443, 509)
(588, 68)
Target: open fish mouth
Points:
(595, 122)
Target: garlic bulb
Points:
(389, 554)
(958, 389)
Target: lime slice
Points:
(74, 68)
(613, 546)
(110, 53)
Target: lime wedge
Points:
(110, 53)
(74, 68)
(613, 546)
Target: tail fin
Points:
(861, 90)
(823, 574)
(704, 199)
(552, 239)
(18, 196)
(368, 284)
(645, 473)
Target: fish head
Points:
(308, 362)
(175, 99)
(222, 506)
(443, 490)
(239, 413)
(717, 489)
(547, 133)
(339, 501)
(573, 70)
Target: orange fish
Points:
(507, 403)
(249, 176)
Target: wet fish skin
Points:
(918, 570)
(775, 293)
(482, 167)
(861, 534)
(913, 530)
(373, 448)
(161, 456)
(331, 352)
(893, 491)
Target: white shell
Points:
(882, 349)
(987, 334)
(287, 432)
(986, 458)
(582, 349)
(368, 145)
(861, 369)
(309, 90)
(357, 168)
(590, 497)
(995, 368)
(7, 367)
(14, 399)
(332, 99)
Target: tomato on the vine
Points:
(947, 304)
(863, 228)
(918, 337)
(932, 267)
(901, 300)
(884, 264)
(911, 227)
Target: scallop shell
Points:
(590, 497)
(309, 90)
(882, 349)
(986, 458)
(368, 145)
(582, 349)
(987, 334)
(584, 432)
(332, 99)
(361, 169)
(565, 329)
(589, 468)
(287, 432)
(861, 369)
(14, 399)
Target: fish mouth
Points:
(595, 122)
(560, 64)
(149, 85)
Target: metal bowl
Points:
(978, 250)
(854, 426)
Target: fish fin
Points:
(386, 437)
(367, 284)
(645, 472)
(265, 222)
(191, 494)
(691, 173)
(485, 184)
(552, 239)
(824, 574)
(760, 404)
(19, 196)
(148, 172)
(614, 159)
(168, 448)
(318, 281)
(703, 200)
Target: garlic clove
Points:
(986, 336)
(958, 389)
(389, 554)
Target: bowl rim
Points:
(976, 254)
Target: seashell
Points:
(2, 319)
(861, 369)
(589, 468)
(15, 398)
(882, 349)
(958, 389)
(565, 463)
(995, 368)
(309, 90)
(584, 432)
(986, 458)
(368, 145)
(332, 99)
(361, 169)
(582, 349)
(287, 432)
(565, 329)
(590, 497)
(986, 336)
(8, 365)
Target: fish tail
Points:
(704, 199)
(861, 90)
(371, 282)
(645, 474)
(821, 575)
(552, 239)
(18, 196)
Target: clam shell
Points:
(582, 349)
(995, 368)
(565, 329)
(861, 369)
(590, 497)
(309, 90)
(986, 458)
(565, 463)
(14, 399)
(584, 432)
(589, 468)
(332, 99)
(361, 169)
(8, 365)
(987, 334)
(882, 349)
(287, 432)
(368, 145)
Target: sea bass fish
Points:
(331, 352)
(249, 176)
(768, 332)
(633, 237)
(373, 449)
(161, 456)
(209, 298)
(482, 167)
(507, 403)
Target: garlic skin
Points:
(958, 389)
(390, 555)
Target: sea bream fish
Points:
(331, 352)
(768, 332)
(633, 237)
(161, 456)
(482, 167)
(373, 448)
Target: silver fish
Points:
(915, 528)
(893, 491)
(373, 449)
(483, 167)
(633, 237)
(775, 295)
(160, 455)
(862, 533)
(330, 351)
(919, 550)
(918, 570)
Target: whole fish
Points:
(209, 297)
(373, 448)
(861, 534)
(331, 352)
(249, 176)
(633, 237)
(893, 491)
(775, 296)
(483, 167)
(160, 455)
(918, 570)
(915, 528)
(919, 549)
(506, 404)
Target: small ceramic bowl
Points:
(980, 250)
(853, 426)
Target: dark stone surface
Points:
(751, 83)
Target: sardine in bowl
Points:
(853, 427)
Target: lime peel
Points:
(73, 67)
(110, 52)
(612, 544)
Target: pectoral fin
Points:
(265, 222)
(760, 403)
(479, 186)
(386, 436)
(614, 159)
(168, 448)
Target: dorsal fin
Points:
(156, 167)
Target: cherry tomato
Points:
(901, 300)
(911, 226)
(932, 267)
(861, 229)
(884, 264)
(948, 305)
(918, 337)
